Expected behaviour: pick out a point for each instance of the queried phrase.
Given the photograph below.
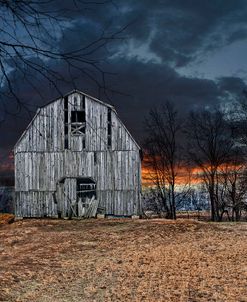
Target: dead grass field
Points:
(123, 260)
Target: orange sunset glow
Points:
(185, 176)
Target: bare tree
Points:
(31, 32)
(152, 202)
(163, 154)
(233, 186)
(210, 146)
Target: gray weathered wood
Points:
(41, 161)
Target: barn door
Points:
(70, 198)
(79, 197)
(61, 199)
(86, 197)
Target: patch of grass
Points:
(6, 218)
(123, 260)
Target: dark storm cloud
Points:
(237, 35)
(151, 85)
(233, 85)
(182, 31)
(178, 32)
(174, 33)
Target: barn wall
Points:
(35, 204)
(41, 204)
(41, 161)
(116, 170)
(46, 131)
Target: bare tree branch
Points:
(29, 43)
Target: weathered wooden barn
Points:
(77, 158)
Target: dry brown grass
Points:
(6, 218)
(123, 260)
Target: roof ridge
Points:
(77, 91)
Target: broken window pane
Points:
(86, 187)
(78, 122)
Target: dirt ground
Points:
(123, 260)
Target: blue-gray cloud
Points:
(162, 36)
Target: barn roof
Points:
(63, 96)
(80, 92)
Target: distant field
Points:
(123, 260)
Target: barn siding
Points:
(41, 160)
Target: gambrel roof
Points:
(80, 92)
(65, 95)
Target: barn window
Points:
(86, 188)
(78, 122)
(109, 128)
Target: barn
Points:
(77, 159)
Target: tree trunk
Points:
(212, 204)
(173, 203)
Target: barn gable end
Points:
(76, 137)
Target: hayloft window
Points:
(78, 122)
(109, 129)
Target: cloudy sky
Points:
(191, 52)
